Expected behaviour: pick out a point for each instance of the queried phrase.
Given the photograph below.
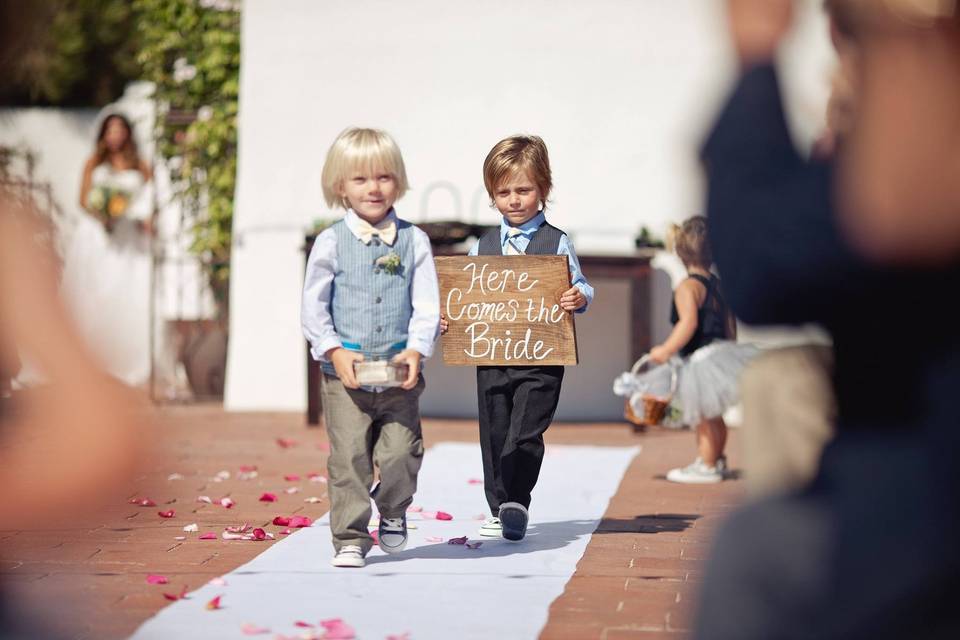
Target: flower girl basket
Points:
(648, 405)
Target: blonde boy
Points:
(370, 292)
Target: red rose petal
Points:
(259, 534)
(337, 629)
(291, 477)
(177, 596)
(157, 579)
(297, 522)
(286, 443)
(281, 521)
(376, 536)
(286, 532)
(214, 604)
(442, 515)
(167, 514)
(209, 535)
(303, 625)
(143, 502)
(268, 497)
(250, 629)
(227, 502)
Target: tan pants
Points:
(789, 414)
(365, 429)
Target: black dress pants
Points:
(516, 405)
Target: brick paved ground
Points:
(636, 580)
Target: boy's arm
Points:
(424, 323)
(577, 279)
(315, 315)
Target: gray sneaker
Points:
(513, 519)
(392, 534)
(697, 472)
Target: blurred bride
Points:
(107, 265)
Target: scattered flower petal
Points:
(259, 534)
(179, 537)
(174, 476)
(291, 477)
(243, 528)
(473, 545)
(461, 540)
(227, 503)
(402, 636)
(286, 532)
(303, 625)
(143, 502)
(177, 596)
(204, 499)
(218, 582)
(247, 475)
(214, 604)
(268, 497)
(226, 535)
(291, 490)
(317, 477)
(281, 521)
(286, 443)
(209, 535)
(157, 579)
(442, 515)
(480, 516)
(250, 629)
(337, 629)
(434, 539)
(297, 522)
(324, 446)
(313, 499)
(191, 528)
(414, 509)
(375, 534)
(167, 514)
(221, 476)
(474, 481)
(247, 468)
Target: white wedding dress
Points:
(107, 279)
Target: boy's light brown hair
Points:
(691, 243)
(516, 154)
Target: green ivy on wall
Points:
(190, 49)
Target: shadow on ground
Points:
(652, 523)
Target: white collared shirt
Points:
(315, 318)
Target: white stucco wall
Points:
(622, 92)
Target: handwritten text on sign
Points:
(505, 310)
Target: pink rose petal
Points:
(298, 522)
(157, 579)
(376, 536)
(218, 582)
(177, 596)
(434, 539)
(243, 528)
(227, 502)
(281, 521)
(291, 477)
(286, 443)
(209, 535)
(143, 502)
(268, 497)
(259, 534)
(303, 625)
(443, 515)
(286, 532)
(474, 481)
(247, 468)
(324, 446)
(337, 629)
(167, 514)
(462, 540)
(250, 629)
(214, 604)
(414, 509)
(402, 636)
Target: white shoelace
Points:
(350, 550)
(492, 522)
(392, 524)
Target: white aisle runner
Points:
(433, 589)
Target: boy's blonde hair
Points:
(369, 151)
(691, 243)
(513, 155)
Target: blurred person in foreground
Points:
(867, 550)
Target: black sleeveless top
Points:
(711, 316)
(545, 241)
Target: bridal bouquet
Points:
(109, 201)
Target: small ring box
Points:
(380, 373)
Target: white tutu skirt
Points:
(709, 380)
(704, 385)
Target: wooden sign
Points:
(505, 310)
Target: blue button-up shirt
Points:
(565, 248)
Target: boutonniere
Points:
(389, 263)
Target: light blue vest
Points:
(371, 307)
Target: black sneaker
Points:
(392, 534)
(513, 519)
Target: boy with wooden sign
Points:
(517, 403)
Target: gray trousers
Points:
(368, 429)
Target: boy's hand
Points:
(444, 325)
(412, 358)
(343, 360)
(660, 354)
(572, 299)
